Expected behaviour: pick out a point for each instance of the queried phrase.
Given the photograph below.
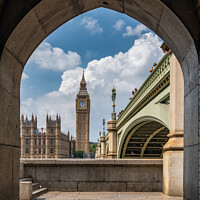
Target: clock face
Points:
(82, 104)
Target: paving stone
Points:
(106, 196)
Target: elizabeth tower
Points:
(82, 118)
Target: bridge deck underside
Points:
(147, 141)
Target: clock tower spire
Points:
(83, 86)
(82, 118)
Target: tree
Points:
(78, 154)
(93, 147)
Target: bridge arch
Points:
(125, 135)
(40, 18)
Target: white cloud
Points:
(46, 56)
(92, 25)
(24, 76)
(118, 25)
(130, 31)
(125, 71)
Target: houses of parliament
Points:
(52, 142)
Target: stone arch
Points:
(48, 15)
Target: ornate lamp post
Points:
(103, 127)
(113, 114)
(112, 132)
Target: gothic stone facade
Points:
(51, 143)
(82, 118)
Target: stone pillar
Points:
(41, 146)
(21, 170)
(57, 138)
(32, 141)
(57, 146)
(47, 146)
(103, 142)
(96, 153)
(99, 150)
(103, 147)
(173, 149)
(112, 136)
(23, 140)
(25, 190)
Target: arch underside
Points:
(146, 140)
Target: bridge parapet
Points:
(153, 85)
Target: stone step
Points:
(35, 186)
(38, 192)
(25, 179)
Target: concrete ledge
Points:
(92, 175)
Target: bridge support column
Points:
(103, 147)
(173, 149)
(112, 134)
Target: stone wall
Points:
(96, 175)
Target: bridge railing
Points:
(152, 86)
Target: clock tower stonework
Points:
(82, 118)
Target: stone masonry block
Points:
(90, 174)
(46, 9)
(30, 171)
(132, 9)
(25, 38)
(193, 65)
(54, 14)
(191, 103)
(153, 7)
(6, 174)
(144, 187)
(174, 33)
(62, 186)
(86, 5)
(68, 174)
(126, 174)
(9, 123)
(113, 4)
(44, 173)
(26, 190)
(11, 71)
(101, 186)
(15, 170)
(186, 75)
(190, 184)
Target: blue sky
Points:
(113, 48)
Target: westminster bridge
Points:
(151, 125)
(143, 126)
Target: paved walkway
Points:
(105, 196)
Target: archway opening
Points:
(158, 17)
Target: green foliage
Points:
(78, 154)
(93, 147)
